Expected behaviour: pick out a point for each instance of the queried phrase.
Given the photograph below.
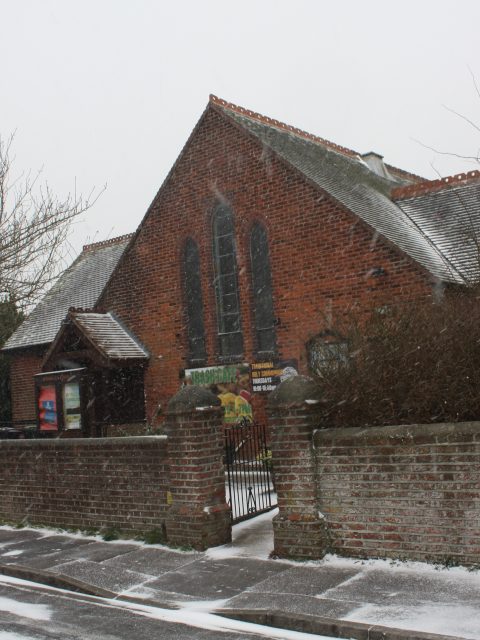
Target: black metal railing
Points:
(249, 482)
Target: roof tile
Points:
(109, 336)
(79, 286)
(349, 180)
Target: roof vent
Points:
(374, 162)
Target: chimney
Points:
(374, 162)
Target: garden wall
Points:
(99, 483)
(172, 485)
(402, 491)
(410, 491)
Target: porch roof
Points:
(109, 336)
(102, 333)
(79, 286)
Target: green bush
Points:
(155, 536)
(110, 534)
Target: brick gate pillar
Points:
(299, 528)
(198, 515)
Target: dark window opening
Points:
(72, 343)
(119, 396)
(326, 352)
(262, 292)
(226, 284)
(194, 303)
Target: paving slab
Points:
(440, 618)
(40, 552)
(288, 603)
(156, 596)
(97, 551)
(305, 580)
(47, 556)
(210, 580)
(297, 590)
(155, 562)
(14, 536)
(385, 587)
(354, 596)
(100, 575)
(251, 538)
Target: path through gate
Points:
(249, 481)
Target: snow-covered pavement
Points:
(42, 614)
(241, 581)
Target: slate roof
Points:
(348, 179)
(437, 223)
(110, 338)
(451, 219)
(79, 286)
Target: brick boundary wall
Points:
(198, 514)
(98, 483)
(173, 484)
(408, 492)
(402, 491)
(299, 532)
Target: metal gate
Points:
(249, 481)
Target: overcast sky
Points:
(107, 91)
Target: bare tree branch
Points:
(463, 117)
(34, 225)
(474, 80)
(447, 153)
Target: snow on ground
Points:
(455, 618)
(253, 538)
(80, 535)
(11, 635)
(467, 575)
(194, 614)
(202, 619)
(375, 563)
(33, 611)
(261, 493)
(250, 539)
(452, 620)
(445, 615)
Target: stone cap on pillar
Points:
(297, 391)
(192, 398)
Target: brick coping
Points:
(432, 186)
(410, 431)
(84, 442)
(107, 243)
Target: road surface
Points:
(35, 612)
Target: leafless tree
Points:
(34, 225)
(473, 158)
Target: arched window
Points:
(226, 284)
(262, 292)
(194, 303)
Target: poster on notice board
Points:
(266, 376)
(47, 408)
(71, 405)
(231, 383)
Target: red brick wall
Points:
(199, 515)
(23, 366)
(118, 483)
(402, 492)
(321, 255)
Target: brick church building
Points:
(259, 235)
